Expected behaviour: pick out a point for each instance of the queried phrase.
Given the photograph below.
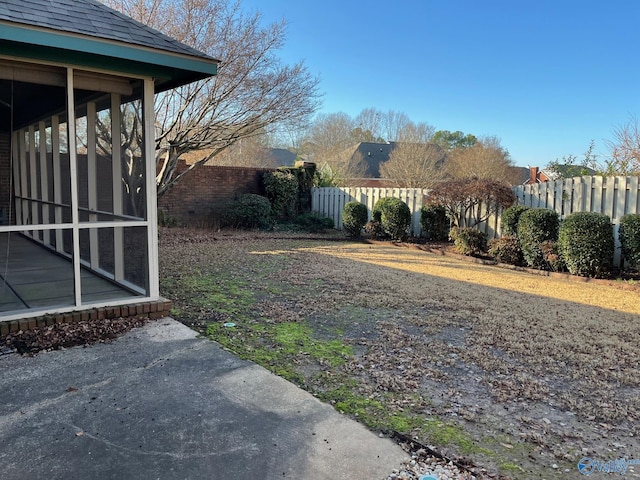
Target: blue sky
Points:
(546, 77)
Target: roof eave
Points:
(169, 69)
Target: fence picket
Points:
(633, 204)
(614, 196)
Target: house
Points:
(561, 171)
(537, 176)
(78, 228)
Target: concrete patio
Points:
(161, 403)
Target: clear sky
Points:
(546, 77)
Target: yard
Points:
(510, 372)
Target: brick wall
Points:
(5, 177)
(202, 196)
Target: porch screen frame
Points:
(52, 207)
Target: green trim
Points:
(167, 68)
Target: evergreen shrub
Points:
(251, 211)
(586, 243)
(535, 226)
(281, 188)
(313, 222)
(506, 249)
(354, 218)
(394, 216)
(435, 222)
(510, 218)
(468, 241)
(629, 235)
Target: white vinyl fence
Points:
(613, 196)
(329, 201)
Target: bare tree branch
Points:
(252, 92)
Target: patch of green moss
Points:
(295, 338)
(276, 345)
(511, 467)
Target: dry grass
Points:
(540, 370)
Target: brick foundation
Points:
(151, 310)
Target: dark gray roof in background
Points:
(374, 154)
(91, 18)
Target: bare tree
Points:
(625, 149)
(415, 162)
(329, 131)
(414, 165)
(340, 167)
(486, 158)
(393, 123)
(332, 144)
(246, 152)
(252, 92)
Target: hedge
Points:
(535, 226)
(394, 216)
(629, 235)
(586, 243)
(354, 218)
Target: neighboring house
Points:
(80, 223)
(537, 176)
(281, 157)
(561, 171)
(374, 154)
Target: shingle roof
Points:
(91, 18)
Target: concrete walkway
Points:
(159, 403)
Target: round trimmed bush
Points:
(354, 218)
(535, 226)
(629, 235)
(586, 243)
(434, 222)
(510, 218)
(506, 249)
(394, 216)
(252, 211)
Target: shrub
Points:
(551, 256)
(354, 218)
(394, 217)
(535, 226)
(468, 241)
(586, 243)
(434, 222)
(374, 228)
(312, 222)
(510, 218)
(282, 191)
(506, 249)
(251, 211)
(629, 235)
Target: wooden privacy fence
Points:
(330, 201)
(613, 196)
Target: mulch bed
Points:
(65, 335)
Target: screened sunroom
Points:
(78, 225)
